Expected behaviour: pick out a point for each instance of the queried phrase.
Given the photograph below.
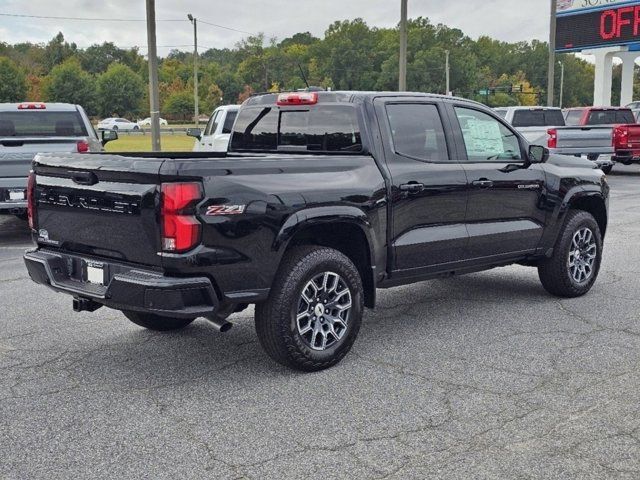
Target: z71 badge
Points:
(218, 210)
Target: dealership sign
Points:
(583, 24)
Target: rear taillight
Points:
(82, 146)
(552, 141)
(180, 228)
(621, 137)
(31, 199)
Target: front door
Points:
(429, 197)
(504, 216)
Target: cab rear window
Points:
(38, 123)
(538, 118)
(610, 117)
(322, 128)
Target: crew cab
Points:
(217, 133)
(29, 128)
(323, 198)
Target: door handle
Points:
(483, 183)
(412, 187)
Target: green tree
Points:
(69, 83)
(120, 91)
(180, 105)
(13, 83)
(57, 51)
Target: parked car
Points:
(590, 132)
(147, 122)
(215, 137)
(323, 198)
(118, 124)
(545, 125)
(634, 106)
(626, 143)
(533, 122)
(29, 128)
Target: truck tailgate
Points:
(585, 138)
(16, 153)
(100, 205)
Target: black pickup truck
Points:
(323, 198)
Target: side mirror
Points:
(194, 132)
(109, 136)
(538, 154)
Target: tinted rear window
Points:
(40, 123)
(538, 118)
(324, 128)
(610, 117)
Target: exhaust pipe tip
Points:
(221, 324)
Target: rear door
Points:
(429, 197)
(99, 205)
(206, 141)
(504, 215)
(223, 132)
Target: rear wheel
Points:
(314, 311)
(136, 128)
(607, 169)
(156, 322)
(575, 264)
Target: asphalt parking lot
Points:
(483, 376)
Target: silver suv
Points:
(30, 128)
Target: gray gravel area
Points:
(482, 376)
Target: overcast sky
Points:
(510, 20)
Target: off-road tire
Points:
(555, 273)
(275, 319)
(156, 322)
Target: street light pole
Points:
(447, 73)
(561, 84)
(195, 68)
(404, 7)
(154, 95)
(552, 55)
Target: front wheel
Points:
(574, 266)
(136, 128)
(607, 169)
(156, 322)
(314, 311)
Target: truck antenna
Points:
(304, 77)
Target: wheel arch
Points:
(345, 229)
(593, 203)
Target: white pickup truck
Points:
(217, 133)
(30, 128)
(547, 126)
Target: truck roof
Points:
(56, 107)
(348, 96)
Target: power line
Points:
(226, 28)
(90, 19)
(101, 19)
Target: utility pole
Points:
(552, 55)
(561, 84)
(154, 95)
(404, 7)
(196, 99)
(448, 73)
